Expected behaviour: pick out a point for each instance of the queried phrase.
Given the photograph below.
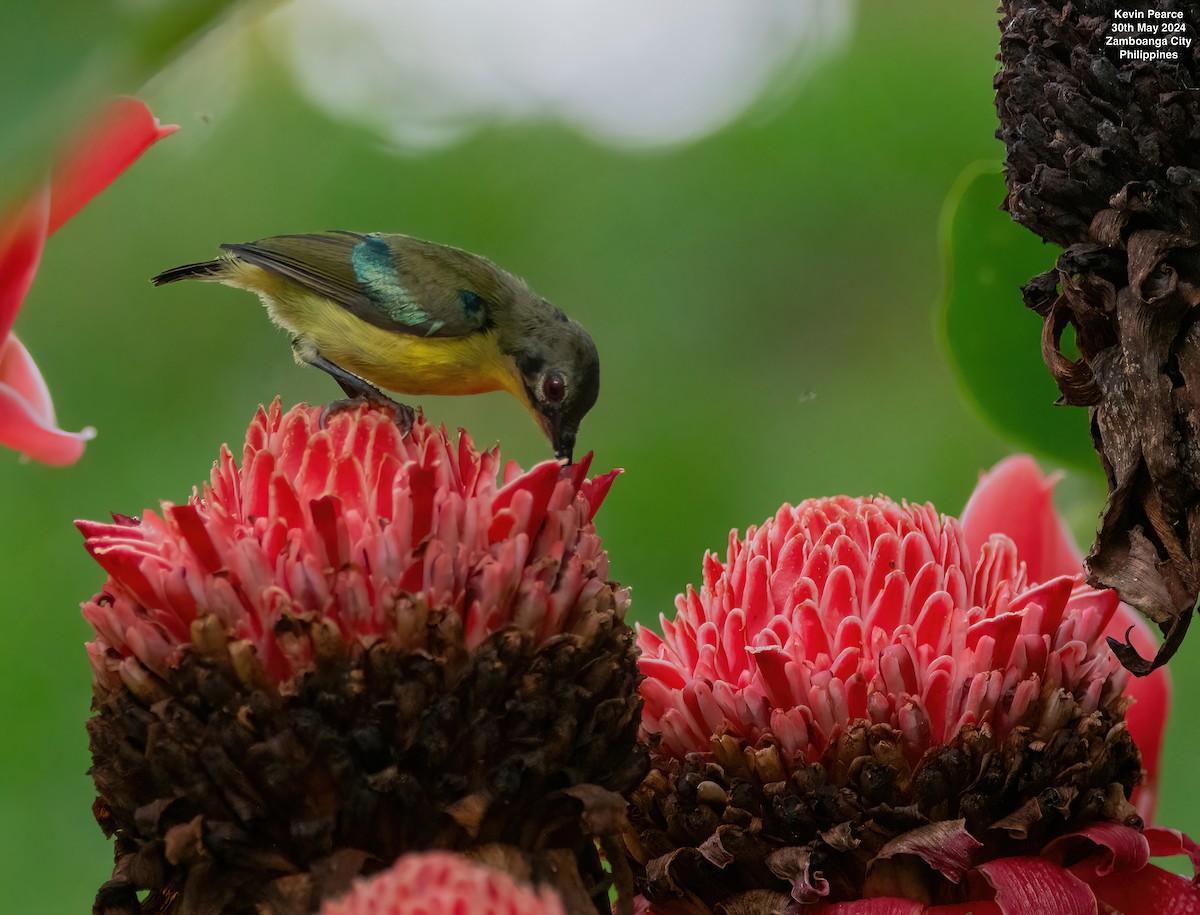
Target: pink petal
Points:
(1121, 849)
(124, 131)
(1119, 875)
(19, 372)
(1150, 890)
(1166, 843)
(540, 482)
(1027, 884)
(946, 846)
(106, 148)
(1014, 498)
(26, 414)
(425, 883)
(21, 242)
(878, 905)
(597, 488)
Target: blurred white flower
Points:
(633, 72)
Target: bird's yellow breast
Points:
(404, 363)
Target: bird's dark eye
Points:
(554, 387)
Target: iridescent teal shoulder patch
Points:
(375, 270)
(472, 306)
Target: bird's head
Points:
(559, 372)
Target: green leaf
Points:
(994, 342)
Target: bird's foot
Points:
(358, 390)
(403, 414)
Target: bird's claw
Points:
(403, 414)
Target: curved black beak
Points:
(563, 441)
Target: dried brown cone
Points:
(713, 827)
(1104, 160)
(360, 677)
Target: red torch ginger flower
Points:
(96, 158)
(845, 609)
(353, 644)
(870, 708)
(1014, 499)
(439, 883)
(355, 525)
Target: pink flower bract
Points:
(1105, 867)
(1014, 498)
(356, 525)
(439, 883)
(845, 609)
(95, 159)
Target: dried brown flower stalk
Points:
(1104, 160)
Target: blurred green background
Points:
(763, 299)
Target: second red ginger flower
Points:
(870, 707)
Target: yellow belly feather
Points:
(404, 363)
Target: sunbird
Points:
(377, 310)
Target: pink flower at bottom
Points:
(869, 707)
(440, 883)
(109, 146)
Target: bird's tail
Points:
(190, 271)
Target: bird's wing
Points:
(382, 280)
